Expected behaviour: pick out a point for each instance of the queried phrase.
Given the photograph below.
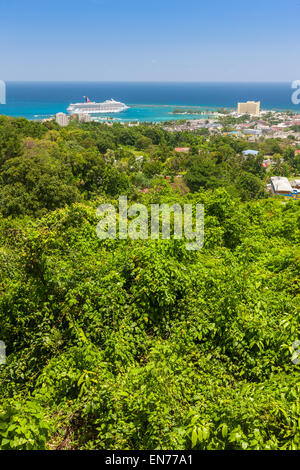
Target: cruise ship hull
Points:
(107, 107)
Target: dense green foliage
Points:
(121, 344)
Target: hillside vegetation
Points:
(142, 344)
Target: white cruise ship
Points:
(91, 107)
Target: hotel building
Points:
(62, 119)
(250, 107)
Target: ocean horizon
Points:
(148, 101)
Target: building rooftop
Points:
(281, 184)
(251, 152)
(182, 149)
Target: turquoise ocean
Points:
(149, 102)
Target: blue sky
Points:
(150, 40)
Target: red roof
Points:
(182, 149)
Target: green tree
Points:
(250, 187)
(203, 173)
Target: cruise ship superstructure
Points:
(91, 107)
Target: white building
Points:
(83, 117)
(250, 107)
(296, 184)
(62, 119)
(281, 185)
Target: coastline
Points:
(143, 113)
(149, 102)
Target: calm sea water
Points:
(149, 101)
